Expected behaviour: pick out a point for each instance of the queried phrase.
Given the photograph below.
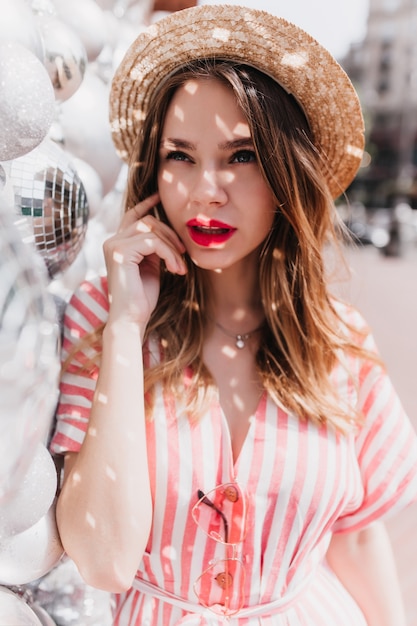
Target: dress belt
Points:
(268, 608)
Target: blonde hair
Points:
(302, 333)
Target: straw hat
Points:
(271, 44)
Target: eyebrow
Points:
(241, 142)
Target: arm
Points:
(364, 563)
(104, 510)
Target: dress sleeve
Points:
(85, 313)
(385, 448)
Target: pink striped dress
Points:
(303, 483)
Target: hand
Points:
(133, 258)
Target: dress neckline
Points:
(235, 461)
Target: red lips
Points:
(208, 233)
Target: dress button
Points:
(224, 580)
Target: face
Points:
(209, 180)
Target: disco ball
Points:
(29, 361)
(49, 194)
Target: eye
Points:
(244, 156)
(177, 155)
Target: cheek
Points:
(171, 188)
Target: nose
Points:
(210, 187)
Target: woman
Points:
(231, 438)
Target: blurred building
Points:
(384, 70)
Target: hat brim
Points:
(280, 49)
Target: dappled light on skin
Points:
(118, 257)
(76, 478)
(110, 473)
(220, 179)
(191, 87)
(142, 227)
(238, 402)
(90, 519)
(102, 398)
(179, 113)
(167, 177)
(234, 383)
(182, 189)
(241, 129)
(229, 352)
(121, 360)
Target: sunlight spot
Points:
(118, 257)
(141, 227)
(274, 306)
(110, 473)
(354, 151)
(189, 304)
(191, 87)
(239, 315)
(110, 298)
(92, 432)
(278, 254)
(76, 478)
(164, 343)
(227, 177)
(238, 402)
(222, 34)
(205, 221)
(121, 360)
(181, 188)
(294, 59)
(90, 520)
(75, 413)
(102, 397)
(234, 382)
(170, 553)
(167, 176)
(218, 270)
(75, 333)
(222, 126)
(242, 129)
(179, 113)
(229, 352)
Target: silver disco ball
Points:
(50, 196)
(29, 353)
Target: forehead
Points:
(206, 103)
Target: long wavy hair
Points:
(301, 337)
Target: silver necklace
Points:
(240, 338)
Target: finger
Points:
(141, 241)
(166, 252)
(150, 224)
(138, 211)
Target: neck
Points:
(235, 298)
(234, 287)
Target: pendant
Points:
(240, 341)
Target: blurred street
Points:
(384, 289)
